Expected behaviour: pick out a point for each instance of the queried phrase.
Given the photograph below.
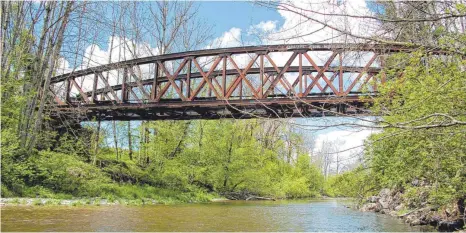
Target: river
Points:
(309, 215)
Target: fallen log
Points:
(245, 196)
(260, 198)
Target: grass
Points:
(402, 211)
(52, 202)
(145, 194)
(37, 202)
(15, 201)
(96, 185)
(133, 195)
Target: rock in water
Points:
(369, 207)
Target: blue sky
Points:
(226, 15)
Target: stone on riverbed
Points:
(373, 199)
(369, 207)
(399, 207)
(65, 202)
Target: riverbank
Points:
(137, 195)
(24, 201)
(78, 201)
(449, 217)
(96, 201)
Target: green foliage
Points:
(175, 162)
(430, 93)
(12, 100)
(355, 183)
(303, 180)
(6, 192)
(422, 151)
(69, 143)
(423, 98)
(222, 156)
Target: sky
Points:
(244, 23)
(226, 15)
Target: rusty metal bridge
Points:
(244, 82)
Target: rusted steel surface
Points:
(215, 109)
(245, 82)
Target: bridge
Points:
(255, 81)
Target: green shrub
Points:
(5, 192)
(354, 183)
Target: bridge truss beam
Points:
(245, 82)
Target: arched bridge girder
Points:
(240, 82)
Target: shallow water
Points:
(310, 215)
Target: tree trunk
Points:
(201, 131)
(115, 139)
(227, 169)
(46, 86)
(180, 142)
(130, 144)
(96, 149)
(146, 142)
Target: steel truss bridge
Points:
(256, 81)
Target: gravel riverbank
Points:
(74, 202)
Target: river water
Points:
(309, 215)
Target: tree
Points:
(430, 94)
(28, 62)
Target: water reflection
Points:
(321, 215)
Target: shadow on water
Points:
(302, 215)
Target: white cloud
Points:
(231, 38)
(118, 49)
(299, 29)
(263, 27)
(63, 66)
